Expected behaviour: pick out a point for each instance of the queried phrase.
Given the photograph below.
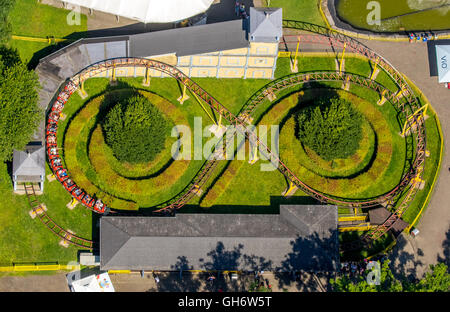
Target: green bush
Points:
(135, 130)
(331, 127)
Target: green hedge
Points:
(90, 167)
(135, 130)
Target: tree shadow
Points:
(182, 282)
(404, 264)
(446, 249)
(314, 255)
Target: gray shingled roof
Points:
(266, 24)
(378, 216)
(190, 40)
(30, 162)
(299, 238)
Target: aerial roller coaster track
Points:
(406, 105)
(39, 211)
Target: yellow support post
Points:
(383, 98)
(375, 69)
(342, 58)
(183, 97)
(255, 157)
(147, 77)
(400, 92)
(114, 74)
(422, 111)
(220, 121)
(206, 111)
(82, 88)
(290, 190)
(294, 67)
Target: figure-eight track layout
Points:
(407, 104)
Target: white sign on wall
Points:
(443, 62)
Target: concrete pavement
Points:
(432, 244)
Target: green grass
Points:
(23, 239)
(32, 19)
(370, 181)
(304, 10)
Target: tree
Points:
(19, 112)
(135, 130)
(388, 283)
(436, 280)
(331, 127)
(5, 27)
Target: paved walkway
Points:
(168, 282)
(198, 282)
(34, 283)
(432, 243)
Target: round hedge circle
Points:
(90, 167)
(372, 168)
(331, 127)
(135, 130)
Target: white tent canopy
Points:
(93, 283)
(443, 62)
(148, 11)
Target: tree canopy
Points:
(436, 280)
(331, 127)
(5, 26)
(19, 112)
(135, 130)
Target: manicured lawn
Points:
(249, 190)
(299, 10)
(23, 239)
(32, 19)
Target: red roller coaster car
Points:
(52, 127)
(61, 174)
(78, 193)
(57, 107)
(51, 140)
(52, 153)
(53, 117)
(56, 163)
(99, 206)
(88, 201)
(69, 185)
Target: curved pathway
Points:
(414, 255)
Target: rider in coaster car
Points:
(62, 172)
(56, 162)
(51, 139)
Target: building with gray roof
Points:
(301, 237)
(266, 24)
(29, 166)
(220, 50)
(190, 40)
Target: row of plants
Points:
(348, 187)
(93, 163)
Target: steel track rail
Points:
(330, 37)
(53, 226)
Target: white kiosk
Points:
(443, 64)
(93, 283)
